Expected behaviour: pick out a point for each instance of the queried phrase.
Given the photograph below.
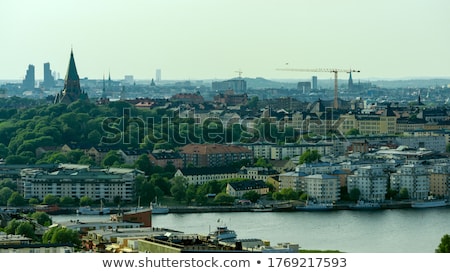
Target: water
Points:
(382, 231)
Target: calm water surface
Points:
(384, 231)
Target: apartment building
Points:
(440, 180)
(323, 188)
(414, 178)
(370, 181)
(213, 155)
(77, 181)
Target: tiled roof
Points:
(208, 170)
(248, 185)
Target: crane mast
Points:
(329, 70)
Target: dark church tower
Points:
(72, 90)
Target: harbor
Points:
(352, 231)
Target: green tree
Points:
(33, 201)
(4, 151)
(309, 156)
(66, 201)
(94, 137)
(74, 156)
(190, 193)
(252, 196)
(178, 189)
(86, 201)
(143, 164)
(17, 159)
(223, 199)
(26, 229)
(354, 194)
(5, 194)
(352, 132)
(16, 200)
(12, 226)
(61, 235)
(263, 162)
(444, 246)
(112, 159)
(42, 218)
(7, 182)
(303, 196)
(86, 160)
(404, 194)
(51, 199)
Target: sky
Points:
(222, 39)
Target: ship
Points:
(429, 203)
(361, 205)
(88, 210)
(313, 206)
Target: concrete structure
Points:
(322, 188)
(292, 180)
(440, 180)
(371, 181)
(29, 81)
(213, 155)
(77, 181)
(163, 158)
(237, 189)
(49, 80)
(237, 85)
(414, 178)
(199, 176)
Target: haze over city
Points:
(216, 39)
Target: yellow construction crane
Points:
(330, 70)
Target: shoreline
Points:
(243, 208)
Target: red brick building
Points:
(213, 155)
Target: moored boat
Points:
(222, 233)
(431, 203)
(88, 210)
(261, 208)
(157, 208)
(361, 205)
(313, 206)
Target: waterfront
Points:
(380, 231)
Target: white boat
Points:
(431, 203)
(262, 208)
(157, 208)
(361, 205)
(87, 210)
(313, 206)
(222, 233)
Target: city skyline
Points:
(189, 40)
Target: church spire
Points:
(72, 90)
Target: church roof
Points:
(72, 74)
(72, 90)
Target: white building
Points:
(318, 168)
(292, 180)
(371, 182)
(322, 188)
(77, 181)
(414, 178)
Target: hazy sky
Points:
(212, 39)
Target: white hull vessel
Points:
(429, 204)
(87, 210)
